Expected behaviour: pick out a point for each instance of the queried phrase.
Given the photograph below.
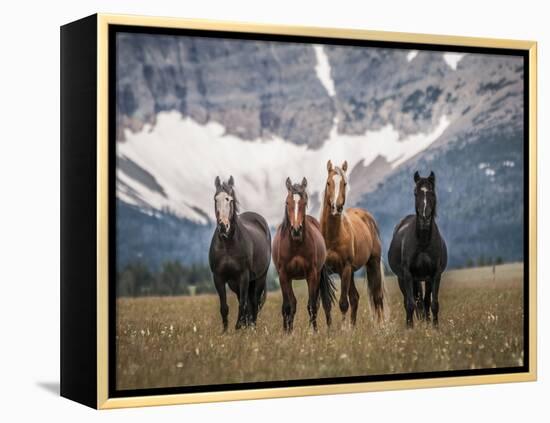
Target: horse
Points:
(240, 254)
(353, 241)
(418, 253)
(299, 253)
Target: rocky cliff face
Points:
(379, 86)
(255, 90)
(258, 89)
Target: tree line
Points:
(482, 261)
(136, 279)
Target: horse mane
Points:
(434, 212)
(340, 172)
(286, 221)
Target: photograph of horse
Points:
(299, 253)
(239, 256)
(353, 241)
(260, 180)
(418, 253)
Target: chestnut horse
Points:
(353, 241)
(299, 253)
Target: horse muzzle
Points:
(223, 228)
(296, 233)
(336, 210)
(424, 223)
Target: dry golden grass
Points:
(167, 342)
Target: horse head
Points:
(335, 191)
(425, 200)
(225, 206)
(296, 205)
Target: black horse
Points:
(418, 253)
(240, 253)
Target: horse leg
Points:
(327, 305)
(419, 306)
(289, 302)
(345, 278)
(313, 301)
(242, 319)
(252, 311)
(374, 283)
(427, 299)
(409, 297)
(258, 294)
(435, 298)
(353, 299)
(224, 309)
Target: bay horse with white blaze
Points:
(299, 253)
(352, 241)
(240, 253)
(418, 253)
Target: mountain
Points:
(254, 90)
(480, 203)
(189, 109)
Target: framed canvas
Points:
(256, 211)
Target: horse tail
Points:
(261, 301)
(327, 288)
(378, 295)
(385, 303)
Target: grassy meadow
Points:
(178, 341)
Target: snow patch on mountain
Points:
(322, 69)
(185, 157)
(411, 55)
(452, 59)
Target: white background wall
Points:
(29, 209)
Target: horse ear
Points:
(304, 182)
(329, 166)
(288, 184)
(416, 177)
(231, 181)
(345, 166)
(432, 178)
(217, 182)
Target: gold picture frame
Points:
(101, 215)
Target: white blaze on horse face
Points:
(223, 207)
(337, 179)
(296, 198)
(424, 190)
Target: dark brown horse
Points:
(352, 241)
(239, 255)
(299, 253)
